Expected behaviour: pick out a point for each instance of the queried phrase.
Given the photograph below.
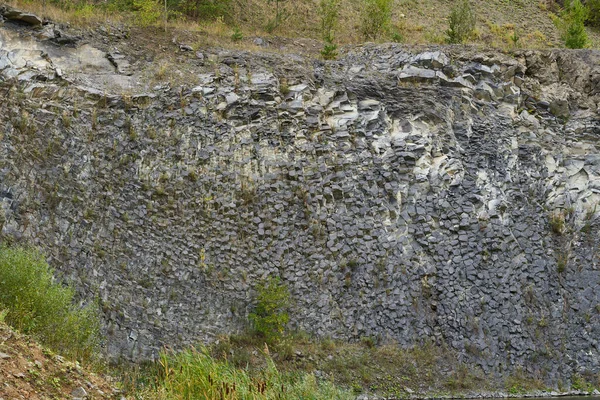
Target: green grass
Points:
(195, 374)
(38, 306)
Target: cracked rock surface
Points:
(407, 194)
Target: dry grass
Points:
(417, 21)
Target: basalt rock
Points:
(438, 194)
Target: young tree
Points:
(461, 23)
(572, 25)
(328, 9)
(376, 18)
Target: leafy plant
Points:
(237, 34)
(376, 16)
(148, 12)
(40, 307)
(461, 23)
(329, 16)
(594, 12)
(571, 24)
(270, 316)
(514, 38)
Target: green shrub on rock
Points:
(270, 316)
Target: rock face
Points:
(438, 195)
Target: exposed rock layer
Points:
(402, 194)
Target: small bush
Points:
(594, 13)
(376, 16)
(571, 24)
(461, 23)
(328, 9)
(40, 307)
(557, 222)
(237, 35)
(148, 12)
(270, 315)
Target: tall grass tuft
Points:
(194, 374)
(39, 306)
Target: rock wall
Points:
(404, 194)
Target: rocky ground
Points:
(30, 372)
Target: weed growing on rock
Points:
(270, 315)
(557, 222)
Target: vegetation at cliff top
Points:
(497, 23)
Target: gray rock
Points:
(79, 393)
(22, 16)
(560, 108)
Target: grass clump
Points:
(43, 308)
(194, 374)
(557, 222)
(461, 23)
(270, 316)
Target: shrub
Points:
(594, 13)
(270, 315)
(571, 24)
(328, 9)
(40, 307)
(148, 12)
(375, 18)
(461, 23)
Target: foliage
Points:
(45, 309)
(461, 23)
(375, 18)
(594, 13)
(329, 10)
(270, 315)
(237, 35)
(148, 12)
(329, 51)
(571, 24)
(194, 374)
(281, 15)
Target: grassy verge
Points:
(498, 23)
(36, 305)
(195, 374)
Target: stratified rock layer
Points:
(402, 194)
